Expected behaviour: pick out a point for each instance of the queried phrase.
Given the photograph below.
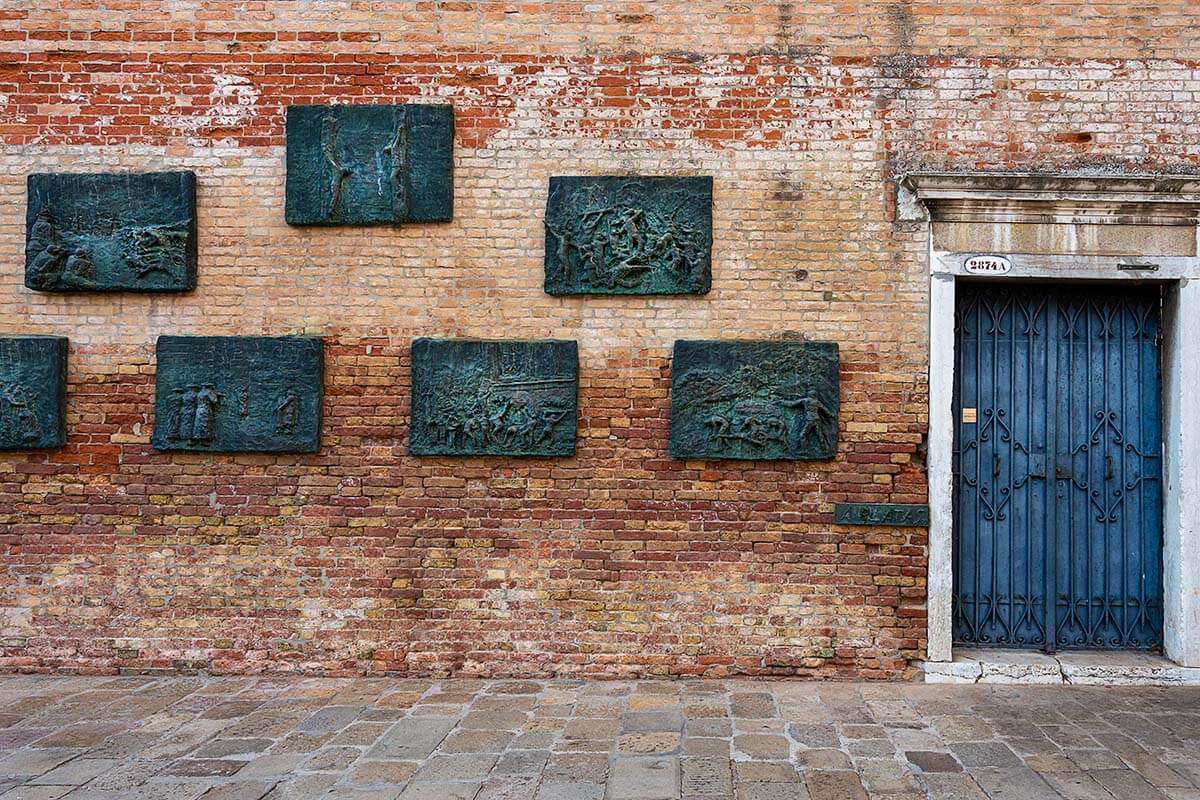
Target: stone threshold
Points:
(1079, 668)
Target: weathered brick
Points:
(620, 560)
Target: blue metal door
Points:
(1057, 467)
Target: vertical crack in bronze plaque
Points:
(235, 394)
(754, 400)
(628, 235)
(111, 232)
(33, 380)
(506, 398)
(369, 164)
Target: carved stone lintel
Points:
(369, 164)
(33, 379)
(513, 398)
(761, 400)
(110, 232)
(238, 394)
(629, 235)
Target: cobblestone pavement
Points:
(276, 738)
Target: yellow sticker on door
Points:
(969, 415)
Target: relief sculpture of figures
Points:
(754, 400)
(111, 232)
(629, 235)
(193, 411)
(18, 413)
(369, 164)
(474, 397)
(238, 393)
(32, 391)
(338, 173)
(287, 412)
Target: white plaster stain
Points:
(16, 621)
(19, 118)
(233, 98)
(322, 615)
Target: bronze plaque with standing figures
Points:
(236, 394)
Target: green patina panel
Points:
(754, 400)
(629, 235)
(369, 164)
(509, 398)
(111, 232)
(33, 388)
(895, 514)
(236, 394)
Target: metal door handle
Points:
(995, 465)
(1108, 468)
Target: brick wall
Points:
(620, 560)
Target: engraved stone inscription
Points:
(369, 164)
(754, 400)
(629, 235)
(238, 394)
(896, 514)
(33, 381)
(108, 232)
(473, 397)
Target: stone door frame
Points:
(1070, 228)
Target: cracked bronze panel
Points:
(369, 164)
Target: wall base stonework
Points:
(1075, 668)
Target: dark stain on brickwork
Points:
(788, 189)
(1074, 137)
(785, 30)
(903, 28)
(921, 452)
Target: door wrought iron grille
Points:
(1057, 467)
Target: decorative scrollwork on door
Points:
(1123, 466)
(1001, 475)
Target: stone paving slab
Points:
(297, 738)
